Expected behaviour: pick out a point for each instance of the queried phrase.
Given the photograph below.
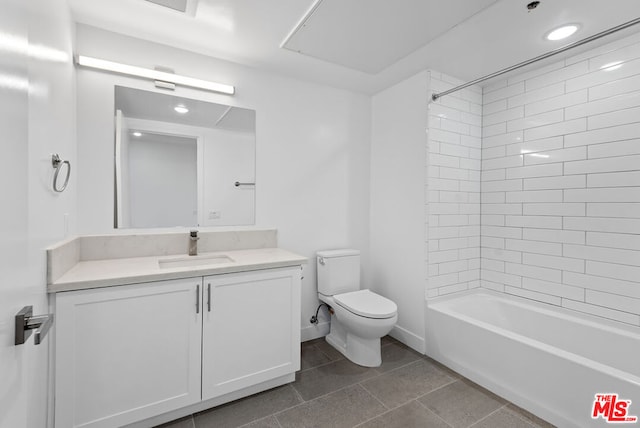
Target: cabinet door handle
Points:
(198, 299)
(209, 297)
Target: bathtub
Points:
(546, 359)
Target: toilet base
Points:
(364, 352)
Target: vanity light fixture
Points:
(147, 73)
(562, 32)
(181, 108)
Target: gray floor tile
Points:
(462, 403)
(388, 340)
(311, 356)
(332, 353)
(186, 422)
(502, 419)
(419, 391)
(268, 422)
(528, 416)
(249, 409)
(411, 415)
(341, 409)
(444, 368)
(330, 377)
(402, 385)
(396, 355)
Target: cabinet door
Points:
(127, 353)
(251, 332)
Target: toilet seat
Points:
(367, 304)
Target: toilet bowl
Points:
(356, 336)
(360, 317)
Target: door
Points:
(127, 353)
(16, 362)
(36, 119)
(251, 329)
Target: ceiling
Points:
(370, 35)
(362, 45)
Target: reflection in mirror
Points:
(177, 162)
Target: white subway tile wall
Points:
(560, 181)
(453, 186)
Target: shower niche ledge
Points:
(138, 344)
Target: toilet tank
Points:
(338, 271)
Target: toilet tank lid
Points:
(338, 253)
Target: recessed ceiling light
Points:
(137, 134)
(611, 66)
(180, 108)
(561, 32)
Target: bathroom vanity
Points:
(143, 340)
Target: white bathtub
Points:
(547, 360)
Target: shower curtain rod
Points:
(612, 30)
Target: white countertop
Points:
(111, 272)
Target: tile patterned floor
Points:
(408, 390)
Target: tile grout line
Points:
(492, 413)
(375, 397)
(314, 399)
(431, 411)
(486, 416)
(279, 411)
(321, 365)
(359, 383)
(297, 394)
(259, 419)
(321, 396)
(437, 388)
(390, 409)
(387, 410)
(277, 420)
(275, 415)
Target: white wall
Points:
(397, 229)
(37, 101)
(312, 148)
(453, 188)
(561, 183)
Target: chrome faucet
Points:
(193, 243)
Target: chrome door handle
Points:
(209, 297)
(25, 323)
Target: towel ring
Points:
(57, 163)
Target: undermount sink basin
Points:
(190, 261)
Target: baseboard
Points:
(314, 331)
(408, 338)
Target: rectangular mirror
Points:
(182, 162)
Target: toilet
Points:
(360, 317)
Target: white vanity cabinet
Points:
(250, 332)
(131, 352)
(126, 353)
